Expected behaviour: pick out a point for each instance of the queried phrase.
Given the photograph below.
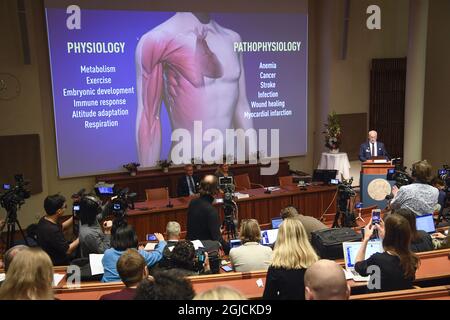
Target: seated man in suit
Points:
(372, 148)
(188, 184)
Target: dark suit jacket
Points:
(364, 151)
(183, 187)
(203, 222)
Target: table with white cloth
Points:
(336, 161)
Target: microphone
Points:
(169, 205)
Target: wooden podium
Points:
(374, 184)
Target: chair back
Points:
(242, 181)
(286, 181)
(157, 194)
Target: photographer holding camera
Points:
(50, 232)
(190, 261)
(203, 221)
(92, 238)
(419, 197)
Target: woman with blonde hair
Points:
(293, 254)
(251, 255)
(220, 293)
(29, 277)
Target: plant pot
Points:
(334, 151)
(133, 173)
(165, 170)
(199, 166)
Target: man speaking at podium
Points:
(372, 148)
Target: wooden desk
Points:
(434, 265)
(152, 216)
(432, 293)
(156, 178)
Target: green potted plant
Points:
(333, 133)
(131, 168)
(165, 164)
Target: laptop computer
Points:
(268, 237)
(351, 250)
(276, 222)
(426, 223)
(234, 243)
(324, 175)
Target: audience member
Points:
(397, 263)
(251, 255)
(184, 258)
(419, 197)
(10, 254)
(420, 240)
(50, 232)
(439, 184)
(188, 184)
(173, 230)
(29, 277)
(92, 238)
(292, 255)
(325, 280)
(124, 237)
(310, 224)
(202, 218)
(132, 270)
(166, 285)
(220, 293)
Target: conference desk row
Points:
(152, 216)
(435, 265)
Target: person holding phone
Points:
(397, 264)
(123, 237)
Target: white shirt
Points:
(375, 152)
(251, 256)
(189, 186)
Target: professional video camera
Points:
(343, 210)
(120, 203)
(229, 206)
(398, 174)
(444, 174)
(12, 199)
(15, 196)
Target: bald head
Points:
(208, 185)
(325, 280)
(373, 135)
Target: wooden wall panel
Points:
(21, 154)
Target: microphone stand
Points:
(169, 205)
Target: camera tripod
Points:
(228, 223)
(10, 224)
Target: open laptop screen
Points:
(234, 243)
(268, 237)
(351, 250)
(276, 222)
(425, 223)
